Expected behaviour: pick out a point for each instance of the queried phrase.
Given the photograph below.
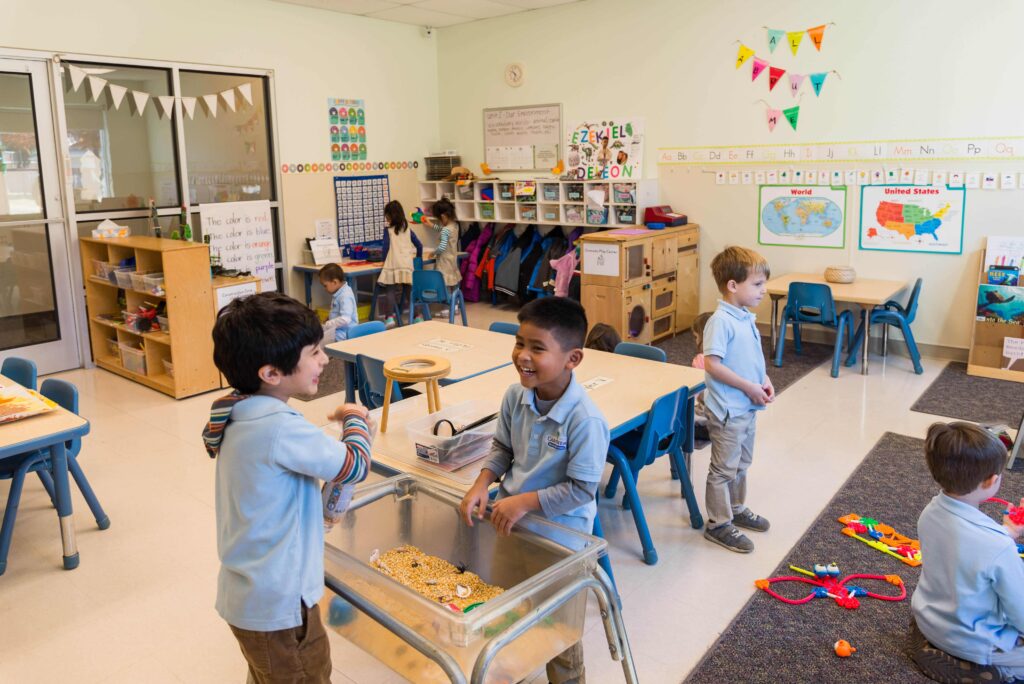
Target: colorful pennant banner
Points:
(774, 74)
(794, 38)
(742, 56)
(759, 65)
(773, 115)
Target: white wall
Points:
(909, 69)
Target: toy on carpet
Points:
(843, 648)
(883, 538)
(827, 584)
(1015, 513)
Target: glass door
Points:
(36, 300)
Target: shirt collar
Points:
(560, 411)
(735, 311)
(968, 512)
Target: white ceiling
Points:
(433, 13)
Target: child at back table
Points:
(550, 443)
(401, 246)
(343, 314)
(737, 388)
(270, 517)
(969, 601)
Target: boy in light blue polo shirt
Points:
(344, 313)
(270, 517)
(969, 601)
(737, 388)
(551, 441)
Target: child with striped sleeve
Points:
(270, 530)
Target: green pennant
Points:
(792, 114)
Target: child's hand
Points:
(346, 410)
(757, 394)
(505, 513)
(475, 501)
(769, 389)
(1016, 531)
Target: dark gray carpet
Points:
(770, 641)
(681, 349)
(331, 380)
(966, 397)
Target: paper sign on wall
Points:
(600, 259)
(1013, 350)
(226, 295)
(242, 235)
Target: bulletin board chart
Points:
(360, 202)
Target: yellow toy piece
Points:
(882, 537)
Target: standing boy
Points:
(550, 443)
(343, 313)
(737, 388)
(270, 533)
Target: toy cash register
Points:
(664, 214)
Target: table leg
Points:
(437, 394)
(387, 403)
(62, 494)
(775, 322)
(350, 381)
(308, 277)
(429, 387)
(885, 340)
(867, 340)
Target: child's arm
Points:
(387, 244)
(346, 314)
(303, 448)
(1008, 578)
(497, 464)
(443, 244)
(355, 435)
(714, 367)
(416, 243)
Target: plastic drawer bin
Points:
(165, 323)
(133, 359)
(444, 451)
(551, 193)
(103, 268)
(539, 560)
(168, 367)
(139, 281)
(122, 277)
(114, 348)
(154, 283)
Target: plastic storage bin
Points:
(103, 268)
(139, 281)
(448, 452)
(115, 277)
(551, 193)
(113, 347)
(487, 211)
(154, 283)
(165, 323)
(597, 217)
(625, 215)
(538, 560)
(574, 192)
(528, 212)
(133, 359)
(168, 367)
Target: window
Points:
(20, 180)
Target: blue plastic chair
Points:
(428, 288)
(21, 371)
(605, 561)
(370, 375)
(895, 314)
(811, 303)
(664, 433)
(17, 467)
(641, 351)
(368, 328)
(504, 328)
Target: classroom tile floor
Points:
(140, 606)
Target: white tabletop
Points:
(865, 291)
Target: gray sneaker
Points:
(729, 537)
(750, 521)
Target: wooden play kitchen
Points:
(643, 283)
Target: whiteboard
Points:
(523, 138)
(242, 235)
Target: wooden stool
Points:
(416, 368)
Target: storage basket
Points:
(840, 274)
(168, 367)
(449, 452)
(154, 283)
(133, 359)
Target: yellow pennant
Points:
(794, 38)
(743, 55)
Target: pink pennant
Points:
(774, 74)
(759, 66)
(773, 117)
(795, 81)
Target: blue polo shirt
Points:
(731, 334)
(570, 441)
(343, 305)
(270, 534)
(970, 598)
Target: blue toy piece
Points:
(21, 371)
(895, 314)
(641, 351)
(504, 327)
(371, 382)
(812, 303)
(428, 288)
(664, 433)
(340, 612)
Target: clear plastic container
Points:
(113, 347)
(536, 561)
(133, 359)
(124, 276)
(154, 283)
(168, 367)
(103, 268)
(165, 324)
(139, 281)
(445, 451)
(131, 320)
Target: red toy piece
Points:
(827, 584)
(1016, 513)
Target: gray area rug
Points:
(770, 641)
(681, 349)
(966, 397)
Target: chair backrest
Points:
(811, 303)
(428, 286)
(372, 382)
(504, 327)
(21, 371)
(65, 395)
(641, 351)
(663, 431)
(912, 302)
(367, 328)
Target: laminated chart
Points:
(360, 202)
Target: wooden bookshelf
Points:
(986, 358)
(187, 291)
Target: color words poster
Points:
(911, 218)
(606, 149)
(242, 235)
(802, 216)
(346, 120)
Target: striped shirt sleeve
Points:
(355, 437)
(443, 244)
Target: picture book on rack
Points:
(1000, 304)
(1003, 259)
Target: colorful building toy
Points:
(883, 538)
(827, 584)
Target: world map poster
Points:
(912, 218)
(802, 216)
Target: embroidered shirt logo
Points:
(557, 443)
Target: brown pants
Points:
(298, 655)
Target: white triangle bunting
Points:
(245, 90)
(189, 105)
(77, 76)
(210, 105)
(96, 87)
(165, 105)
(116, 94)
(229, 98)
(140, 100)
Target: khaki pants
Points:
(732, 450)
(299, 655)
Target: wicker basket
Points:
(840, 274)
